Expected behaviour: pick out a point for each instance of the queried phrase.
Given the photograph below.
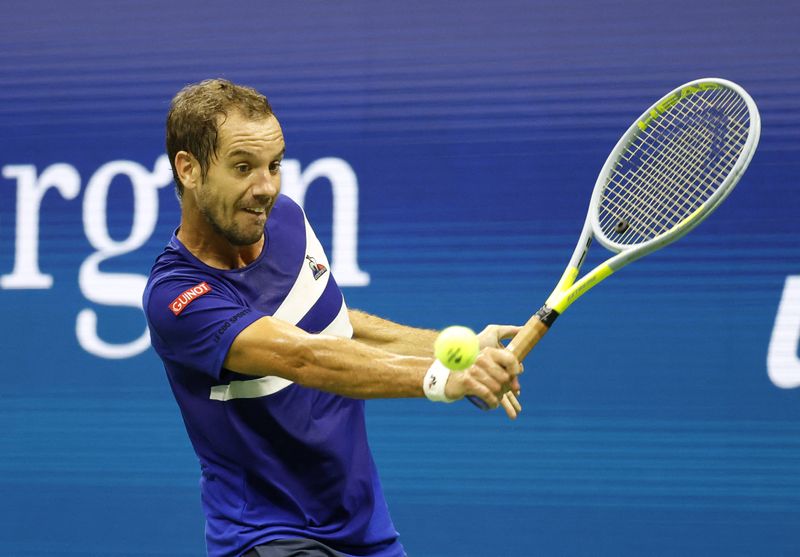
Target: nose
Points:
(267, 184)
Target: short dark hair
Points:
(193, 119)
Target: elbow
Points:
(301, 363)
(300, 360)
(317, 363)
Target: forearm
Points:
(392, 337)
(327, 363)
(359, 370)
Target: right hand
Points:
(493, 374)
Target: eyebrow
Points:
(249, 154)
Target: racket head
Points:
(674, 165)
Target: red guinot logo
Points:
(181, 302)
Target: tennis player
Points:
(268, 365)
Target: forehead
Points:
(261, 136)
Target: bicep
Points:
(390, 336)
(359, 321)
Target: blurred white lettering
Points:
(30, 191)
(783, 363)
(117, 289)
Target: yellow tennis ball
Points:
(457, 347)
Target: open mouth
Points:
(255, 210)
(259, 207)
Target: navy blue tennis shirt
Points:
(278, 460)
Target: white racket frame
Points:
(628, 253)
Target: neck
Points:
(209, 246)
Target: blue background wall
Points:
(475, 131)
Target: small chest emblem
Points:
(317, 268)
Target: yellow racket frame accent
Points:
(568, 291)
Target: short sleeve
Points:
(193, 324)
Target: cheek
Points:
(210, 199)
(213, 188)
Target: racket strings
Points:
(683, 202)
(647, 198)
(666, 170)
(674, 166)
(692, 146)
(650, 200)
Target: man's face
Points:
(244, 179)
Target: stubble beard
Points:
(233, 234)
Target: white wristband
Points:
(435, 381)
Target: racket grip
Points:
(478, 402)
(532, 332)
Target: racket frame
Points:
(569, 287)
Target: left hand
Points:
(491, 337)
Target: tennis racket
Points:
(676, 163)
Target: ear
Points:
(188, 169)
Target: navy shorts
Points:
(299, 547)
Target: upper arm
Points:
(358, 320)
(371, 329)
(194, 324)
(390, 336)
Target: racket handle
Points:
(524, 341)
(532, 332)
(478, 402)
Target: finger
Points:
(488, 372)
(507, 331)
(500, 382)
(511, 405)
(510, 408)
(489, 337)
(485, 394)
(492, 380)
(499, 360)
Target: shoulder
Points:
(176, 292)
(175, 282)
(286, 213)
(190, 310)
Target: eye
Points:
(242, 168)
(275, 167)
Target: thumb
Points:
(507, 331)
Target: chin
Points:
(242, 240)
